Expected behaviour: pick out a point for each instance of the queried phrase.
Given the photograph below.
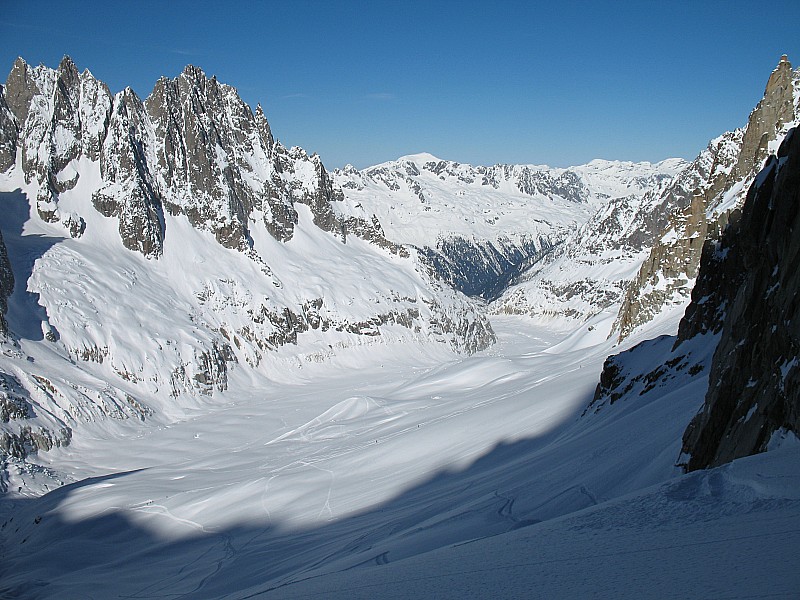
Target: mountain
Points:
(637, 257)
(477, 226)
(738, 340)
(746, 293)
(456, 478)
(227, 373)
(720, 178)
(152, 247)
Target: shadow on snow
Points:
(41, 548)
(25, 315)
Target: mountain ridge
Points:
(477, 225)
(218, 246)
(637, 257)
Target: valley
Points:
(227, 372)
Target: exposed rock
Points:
(748, 290)
(739, 340)
(14, 399)
(74, 224)
(204, 130)
(371, 231)
(8, 134)
(649, 365)
(29, 441)
(61, 116)
(767, 119)
(96, 103)
(718, 180)
(6, 284)
(132, 193)
(482, 268)
(21, 86)
(20, 434)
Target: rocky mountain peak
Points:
(775, 109)
(194, 74)
(263, 127)
(67, 71)
(700, 200)
(747, 292)
(19, 88)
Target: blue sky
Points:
(554, 83)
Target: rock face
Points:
(748, 291)
(6, 285)
(8, 134)
(205, 134)
(482, 267)
(131, 192)
(61, 116)
(698, 203)
(738, 344)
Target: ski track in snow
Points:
(468, 478)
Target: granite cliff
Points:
(738, 343)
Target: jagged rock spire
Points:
(730, 162)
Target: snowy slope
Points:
(728, 533)
(455, 469)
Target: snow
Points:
(787, 366)
(486, 203)
(404, 474)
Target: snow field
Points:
(288, 486)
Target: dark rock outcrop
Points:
(748, 291)
(6, 284)
(25, 439)
(482, 268)
(8, 134)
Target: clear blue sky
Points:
(480, 82)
